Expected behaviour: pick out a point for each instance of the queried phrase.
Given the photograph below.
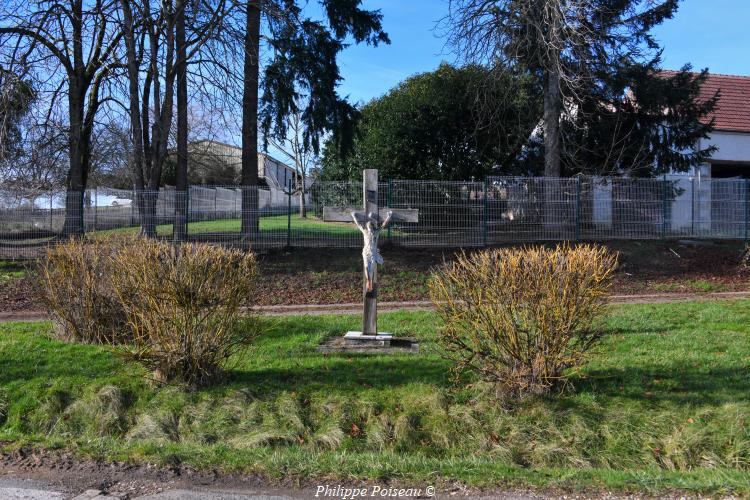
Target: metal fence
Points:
(451, 214)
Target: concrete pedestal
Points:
(382, 343)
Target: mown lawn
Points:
(663, 404)
(10, 270)
(269, 224)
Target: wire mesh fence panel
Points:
(531, 209)
(728, 209)
(29, 221)
(612, 209)
(450, 213)
(316, 232)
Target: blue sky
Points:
(705, 33)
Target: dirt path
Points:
(355, 308)
(53, 475)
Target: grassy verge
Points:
(662, 404)
(11, 270)
(690, 285)
(270, 224)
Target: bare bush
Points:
(182, 304)
(521, 318)
(73, 283)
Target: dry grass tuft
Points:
(102, 414)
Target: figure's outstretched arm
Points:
(387, 219)
(354, 218)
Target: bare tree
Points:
(302, 158)
(161, 43)
(40, 164)
(74, 43)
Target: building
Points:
(731, 135)
(218, 166)
(714, 197)
(209, 160)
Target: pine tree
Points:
(303, 58)
(639, 121)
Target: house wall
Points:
(732, 146)
(274, 172)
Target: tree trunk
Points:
(302, 208)
(552, 110)
(249, 178)
(76, 180)
(181, 184)
(145, 205)
(553, 209)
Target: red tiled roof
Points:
(733, 109)
(732, 112)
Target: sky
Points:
(713, 34)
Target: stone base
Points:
(359, 338)
(382, 343)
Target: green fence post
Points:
(578, 209)
(388, 203)
(664, 211)
(484, 214)
(747, 205)
(289, 215)
(692, 206)
(187, 209)
(96, 195)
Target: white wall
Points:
(732, 146)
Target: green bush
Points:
(182, 305)
(521, 318)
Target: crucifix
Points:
(370, 223)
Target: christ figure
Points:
(370, 255)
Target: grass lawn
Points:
(10, 270)
(270, 224)
(689, 285)
(663, 404)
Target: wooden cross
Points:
(370, 223)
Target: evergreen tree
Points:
(303, 60)
(428, 127)
(566, 44)
(640, 121)
(16, 96)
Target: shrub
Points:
(182, 305)
(521, 318)
(73, 283)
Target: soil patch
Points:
(333, 276)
